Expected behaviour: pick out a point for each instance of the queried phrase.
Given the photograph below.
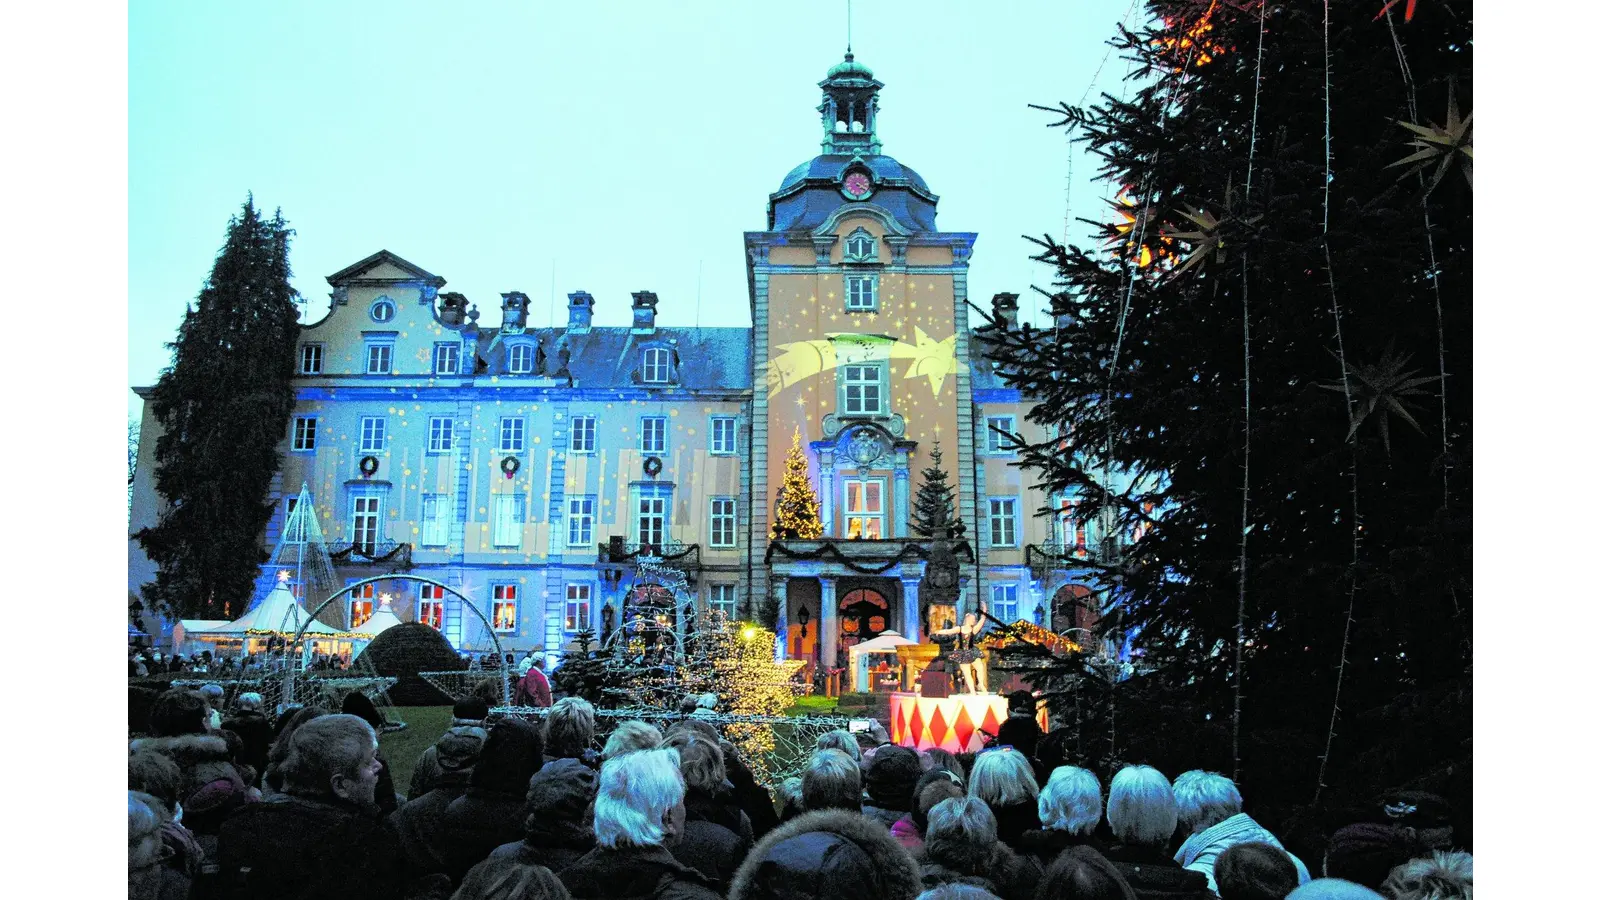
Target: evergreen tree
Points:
(223, 406)
(1316, 529)
(583, 671)
(934, 509)
(797, 514)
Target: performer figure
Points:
(967, 655)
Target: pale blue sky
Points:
(625, 145)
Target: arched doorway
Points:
(863, 615)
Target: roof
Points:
(382, 620)
(708, 359)
(278, 613)
(353, 272)
(850, 69)
(810, 193)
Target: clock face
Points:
(857, 185)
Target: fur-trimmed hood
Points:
(824, 854)
(185, 749)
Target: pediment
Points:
(384, 266)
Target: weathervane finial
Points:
(849, 8)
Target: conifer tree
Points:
(797, 514)
(583, 671)
(1277, 330)
(223, 406)
(935, 507)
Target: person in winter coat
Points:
(490, 813)
(638, 815)
(891, 780)
(963, 846)
(560, 827)
(324, 838)
(533, 687)
(1437, 876)
(1083, 873)
(1143, 818)
(150, 876)
(831, 780)
(1255, 870)
(506, 879)
(630, 736)
(252, 727)
(827, 854)
(716, 834)
(359, 704)
(156, 780)
(932, 788)
(1365, 853)
(1209, 814)
(212, 787)
(569, 731)
(420, 821)
(466, 721)
(753, 799)
(1069, 810)
(1003, 778)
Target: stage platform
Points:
(956, 723)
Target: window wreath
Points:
(510, 465)
(652, 466)
(369, 466)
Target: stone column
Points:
(902, 491)
(912, 626)
(828, 627)
(825, 470)
(780, 592)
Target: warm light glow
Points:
(283, 575)
(749, 632)
(1193, 43)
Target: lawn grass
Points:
(812, 706)
(401, 748)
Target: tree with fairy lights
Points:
(797, 513)
(934, 510)
(1277, 326)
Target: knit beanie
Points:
(892, 777)
(1365, 853)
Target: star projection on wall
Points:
(800, 360)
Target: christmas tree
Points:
(1278, 324)
(934, 511)
(797, 514)
(223, 407)
(583, 671)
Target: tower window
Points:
(863, 390)
(860, 247)
(861, 293)
(310, 359)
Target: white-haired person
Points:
(569, 731)
(1211, 818)
(629, 737)
(1070, 805)
(1143, 817)
(831, 780)
(1437, 876)
(962, 846)
(638, 817)
(1003, 778)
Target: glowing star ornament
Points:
(1434, 143)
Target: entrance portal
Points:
(863, 615)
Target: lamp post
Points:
(805, 620)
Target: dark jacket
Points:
(753, 799)
(490, 813)
(1016, 820)
(419, 824)
(716, 835)
(463, 741)
(212, 788)
(1045, 844)
(826, 854)
(559, 826)
(1008, 875)
(255, 731)
(1154, 875)
(635, 873)
(890, 782)
(299, 847)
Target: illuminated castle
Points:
(529, 467)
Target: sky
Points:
(608, 146)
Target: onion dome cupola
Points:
(850, 109)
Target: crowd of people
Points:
(234, 804)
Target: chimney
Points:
(514, 312)
(580, 311)
(452, 308)
(1005, 311)
(644, 312)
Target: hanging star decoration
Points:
(1411, 9)
(1208, 238)
(1442, 144)
(1382, 388)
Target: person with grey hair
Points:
(831, 780)
(716, 833)
(629, 737)
(638, 816)
(1143, 817)
(251, 725)
(1211, 818)
(790, 803)
(962, 846)
(1003, 778)
(569, 731)
(150, 876)
(301, 844)
(956, 892)
(1437, 876)
(213, 694)
(1069, 810)
(839, 739)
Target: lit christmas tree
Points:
(797, 512)
(935, 509)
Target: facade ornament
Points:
(865, 447)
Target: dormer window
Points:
(519, 359)
(860, 247)
(657, 365)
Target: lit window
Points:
(998, 442)
(577, 618)
(305, 434)
(723, 516)
(580, 521)
(655, 365)
(361, 604)
(310, 359)
(519, 359)
(508, 517)
(1003, 602)
(863, 506)
(651, 521)
(435, 520)
(1003, 522)
(653, 435)
(441, 434)
(583, 434)
(430, 607)
(511, 437)
(380, 359)
(863, 390)
(382, 309)
(725, 599)
(447, 359)
(723, 434)
(503, 612)
(365, 524)
(374, 433)
(861, 293)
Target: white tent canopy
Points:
(382, 620)
(886, 642)
(279, 613)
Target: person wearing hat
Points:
(533, 688)
(891, 778)
(1366, 852)
(1426, 814)
(466, 720)
(560, 827)
(420, 821)
(826, 854)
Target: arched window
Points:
(519, 359)
(860, 246)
